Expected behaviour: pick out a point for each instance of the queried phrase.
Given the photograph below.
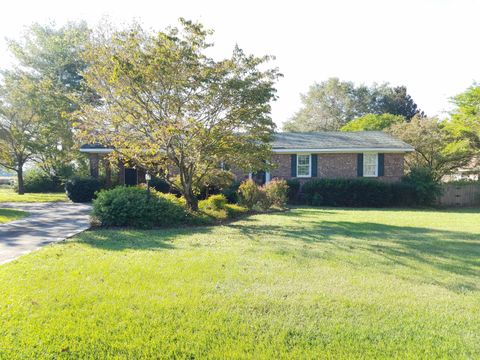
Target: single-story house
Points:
(330, 154)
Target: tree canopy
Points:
(19, 123)
(333, 103)
(465, 118)
(436, 148)
(371, 122)
(49, 57)
(169, 108)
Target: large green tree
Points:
(170, 108)
(435, 147)
(50, 57)
(19, 123)
(333, 103)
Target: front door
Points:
(130, 176)
(259, 177)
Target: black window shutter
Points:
(314, 165)
(294, 165)
(381, 164)
(359, 164)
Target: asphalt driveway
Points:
(46, 223)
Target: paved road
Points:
(47, 222)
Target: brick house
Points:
(372, 154)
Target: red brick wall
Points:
(394, 167)
(339, 166)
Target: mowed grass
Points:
(7, 215)
(8, 195)
(308, 283)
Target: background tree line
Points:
(442, 145)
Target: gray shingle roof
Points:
(339, 140)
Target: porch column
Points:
(108, 172)
(93, 160)
(121, 173)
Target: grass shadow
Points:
(453, 251)
(130, 239)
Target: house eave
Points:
(336, 151)
(96, 150)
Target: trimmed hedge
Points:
(81, 190)
(358, 193)
(133, 206)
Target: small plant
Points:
(276, 192)
(215, 202)
(249, 194)
(82, 189)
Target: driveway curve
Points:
(46, 223)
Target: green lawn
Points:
(8, 195)
(7, 215)
(308, 283)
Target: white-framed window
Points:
(304, 165)
(370, 164)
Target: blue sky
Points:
(430, 46)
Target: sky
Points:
(430, 46)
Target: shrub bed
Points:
(416, 189)
(82, 189)
(255, 197)
(135, 207)
(216, 207)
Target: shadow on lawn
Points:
(118, 240)
(453, 251)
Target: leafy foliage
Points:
(49, 59)
(231, 192)
(217, 208)
(276, 192)
(465, 121)
(435, 147)
(20, 124)
(333, 103)
(250, 194)
(133, 206)
(82, 189)
(427, 188)
(371, 122)
(37, 181)
(347, 192)
(293, 190)
(166, 105)
(253, 196)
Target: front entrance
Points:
(259, 177)
(131, 177)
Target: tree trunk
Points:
(192, 201)
(190, 198)
(21, 187)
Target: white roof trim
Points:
(97, 150)
(352, 150)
